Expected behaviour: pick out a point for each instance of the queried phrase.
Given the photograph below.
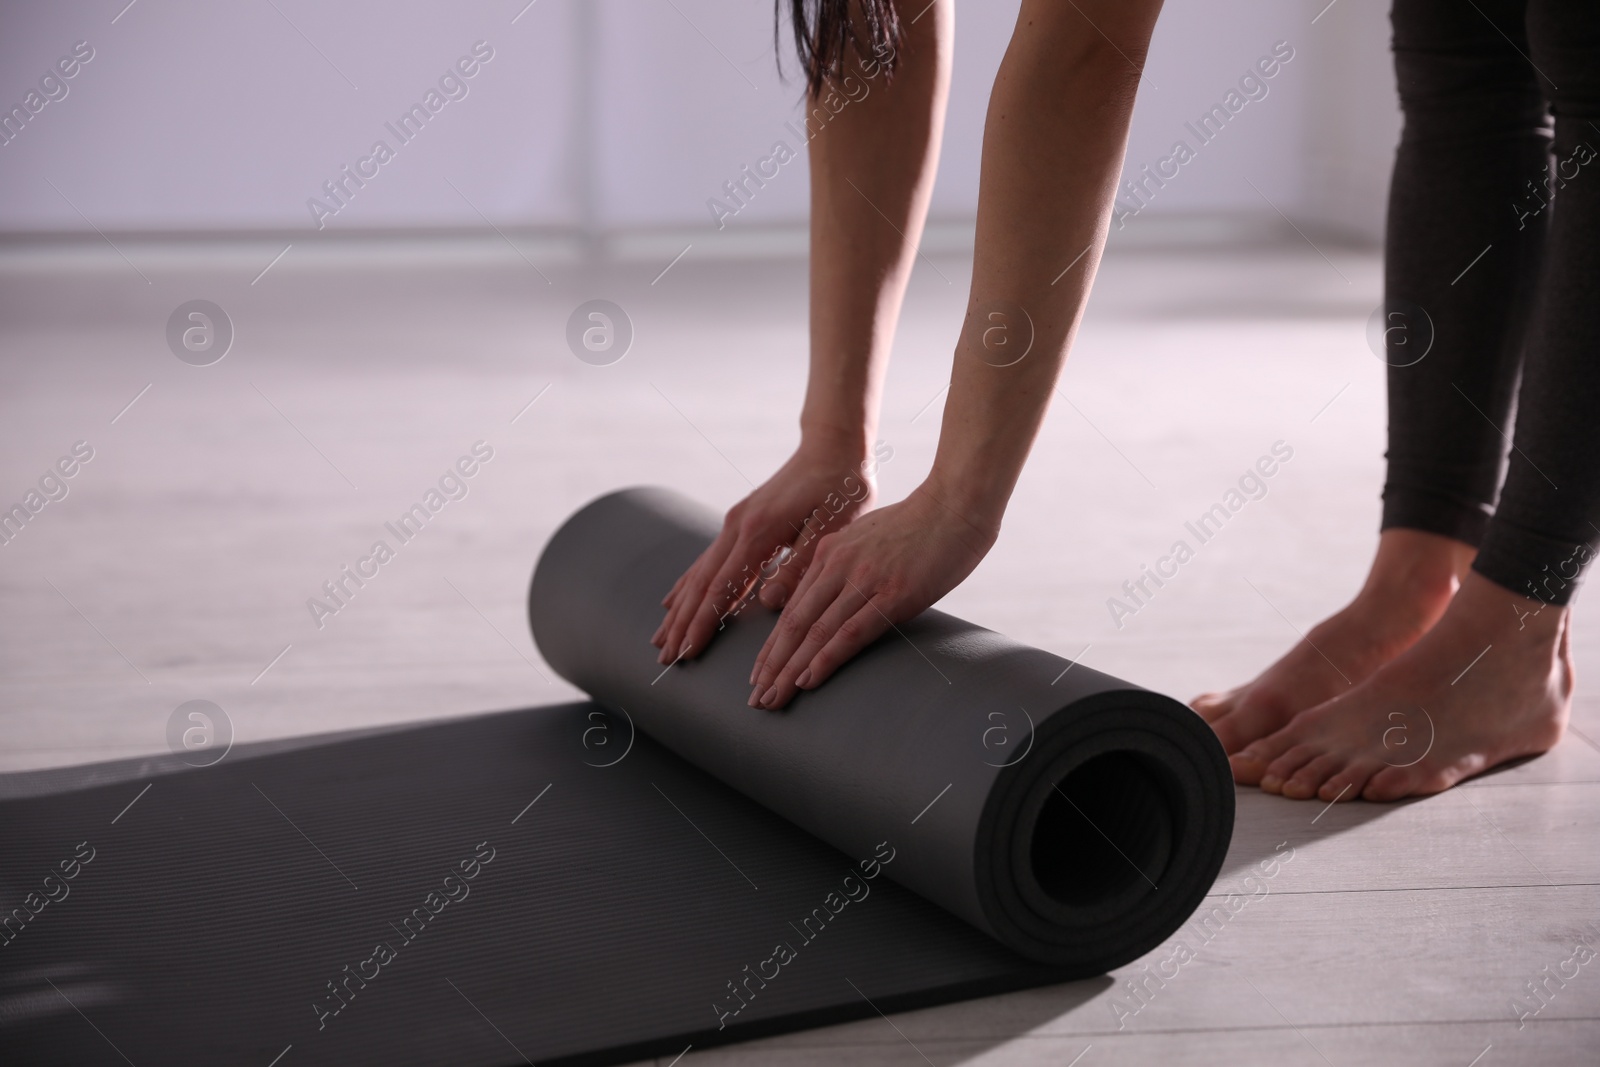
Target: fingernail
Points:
(753, 672)
(1271, 781)
(769, 696)
(754, 692)
(805, 676)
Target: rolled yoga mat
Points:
(1075, 818)
(550, 885)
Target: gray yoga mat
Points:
(1072, 817)
(608, 909)
(598, 883)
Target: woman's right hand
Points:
(768, 538)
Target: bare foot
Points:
(1411, 582)
(1491, 682)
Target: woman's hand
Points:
(769, 537)
(880, 571)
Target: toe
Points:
(1307, 781)
(1250, 721)
(1250, 763)
(1349, 782)
(1247, 768)
(1284, 767)
(1396, 783)
(1212, 706)
(1390, 783)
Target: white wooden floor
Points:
(179, 564)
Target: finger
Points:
(805, 625)
(856, 633)
(723, 593)
(666, 601)
(808, 580)
(847, 637)
(689, 598)
(659, 639)
(696, 583)
(671, 600)
(814, 598)
(781, 674)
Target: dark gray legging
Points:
(1478, 173)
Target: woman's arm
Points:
(1052, 151)
(872, 163)
(872, 169)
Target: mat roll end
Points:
(1102, 843)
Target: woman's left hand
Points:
(881, 570)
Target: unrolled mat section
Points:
(535, 886)
(1074, 818)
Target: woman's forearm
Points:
(872, 164)
(1052, 151)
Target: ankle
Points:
(1510, 617)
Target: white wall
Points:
(611, 114)
(1352, 122)
(203, 115)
